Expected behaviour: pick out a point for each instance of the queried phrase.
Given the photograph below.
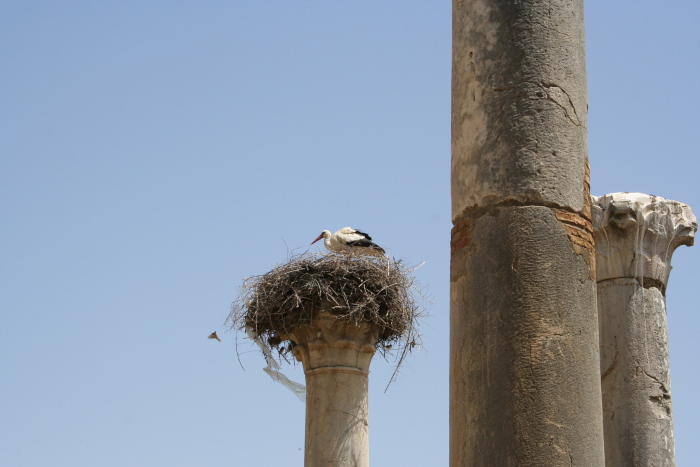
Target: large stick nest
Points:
(360, 289)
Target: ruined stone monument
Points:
(635, 237)
(558, 334)
(524, 361)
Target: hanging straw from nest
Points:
(361, 289)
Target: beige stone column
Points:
(524, 361)
(635, 237)
(336, 358)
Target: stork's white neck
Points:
(327, 238)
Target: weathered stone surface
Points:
(524, 382)
(636, 380)
(336, 358)
(519, 104)
(635, 237)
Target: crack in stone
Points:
(662, 400)
(477, 211)
(655, 379)
(576, 122)
(612, 366)
(352, 415)
(646, 282)
(577, 226)
(550, 96)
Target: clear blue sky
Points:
(153, 154)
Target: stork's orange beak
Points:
(317, 239)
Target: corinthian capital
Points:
(329, 342)
(636, 234)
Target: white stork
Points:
(349, 240)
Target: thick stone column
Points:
(635, 236)
(336, 358)
(524, 365)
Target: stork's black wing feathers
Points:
(363, 234)
(365, 243)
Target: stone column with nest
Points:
(524, 362)
(332, 312)
(336, 357)
(635, 237)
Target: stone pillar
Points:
(524, 360)
(336, 358)
(635, 236)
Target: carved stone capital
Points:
(328, 342)
(636, 234)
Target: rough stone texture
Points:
(636, 382)
(519, 104)
(635, 236)
(336, 358)
(524, 363)
(524, 382)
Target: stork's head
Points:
(324, 234)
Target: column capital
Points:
(636, 234)
(331, 343)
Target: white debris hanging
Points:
(273, 368)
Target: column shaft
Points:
(636, 377)
(337, 419)
(336, 357)
(635, 237)
(524, 374)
